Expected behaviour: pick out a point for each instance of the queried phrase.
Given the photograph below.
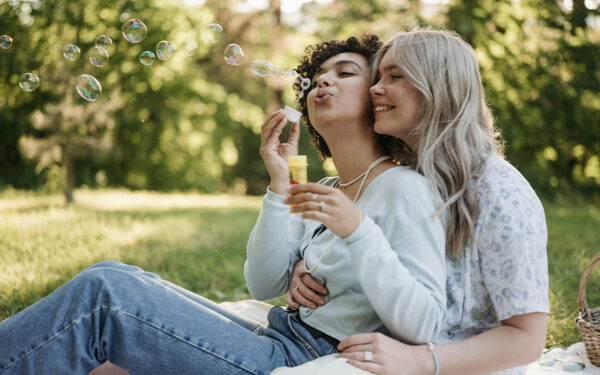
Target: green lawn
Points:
(198, 242)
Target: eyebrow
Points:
(339, 63)
(389, 68)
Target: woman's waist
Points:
(342, 317)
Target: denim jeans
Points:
(146, 325)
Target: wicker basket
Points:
(588, 320)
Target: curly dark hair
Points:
(367, 46)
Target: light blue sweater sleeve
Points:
(400, 264)
(272, 249)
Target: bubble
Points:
(165, 50)
(147, 58)
(134, 31)
(5, 42)
(288, 74)
(213, 33)
(105, 42)
(190, 47)
(71, 52)
(98, 56)
(88, 87)
(29, 82)
(262, 68)
(233, 54)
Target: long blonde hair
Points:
(455, 129)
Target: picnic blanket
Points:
(558, 360)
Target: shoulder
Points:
(503, 187)
(400, 180)
(401, 191)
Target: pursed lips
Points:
(322, 95)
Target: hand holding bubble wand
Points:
(292, 114)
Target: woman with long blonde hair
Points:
(428, 94)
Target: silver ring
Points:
(322, 206)
(368, 356)
(314, 196)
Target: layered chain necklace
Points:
(364, 176)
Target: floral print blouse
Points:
(504, 270)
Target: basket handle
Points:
(581, 299)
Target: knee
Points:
(108, 264)
(101, 280)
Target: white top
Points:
(389, 273)
(507, 274)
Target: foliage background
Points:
(193, 123)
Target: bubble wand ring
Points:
(292, 114)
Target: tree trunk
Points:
(70, 166)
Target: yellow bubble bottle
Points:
(298, 170)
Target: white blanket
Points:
(332, 365)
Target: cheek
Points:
(310, 105)
(310, 101)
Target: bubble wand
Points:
(292, 114)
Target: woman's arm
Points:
(271, 249)
(518, 341)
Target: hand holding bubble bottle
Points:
(292, 114)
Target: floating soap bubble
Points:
(88, 87)
(233, 54)
(165, 50)
(288, 74)
(147, 58)
(5, 42)
(213, 33)
(29, 82)
(105, 42)
(134, 31)
(98, 56)
(262, 68)
(71, 52)
(190, 47)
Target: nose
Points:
(324, 80)
(376, 89)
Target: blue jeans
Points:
(146, 325)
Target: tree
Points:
(539, 64)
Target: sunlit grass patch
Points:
(196, 241)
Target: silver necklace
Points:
(373, 165)
(330, 245)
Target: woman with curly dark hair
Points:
(371, 234)
(146, 325)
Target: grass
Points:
(198, 242)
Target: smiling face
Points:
(396, 102)
(340, 90)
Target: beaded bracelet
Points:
(435, 360)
